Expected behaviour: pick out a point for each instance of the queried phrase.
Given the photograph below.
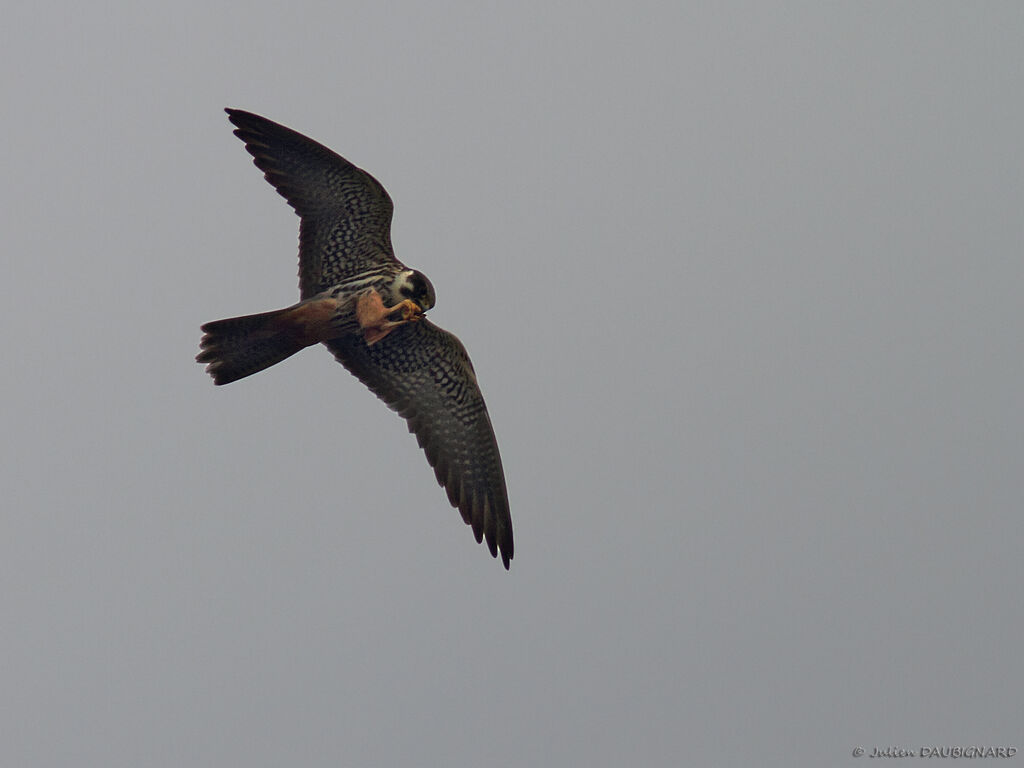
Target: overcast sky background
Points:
(742, 285)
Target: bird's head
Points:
(413, 284)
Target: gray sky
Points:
(741, 282)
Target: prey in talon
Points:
(377, 321)
(368, 309)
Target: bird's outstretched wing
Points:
(345, 212)
(423, 372)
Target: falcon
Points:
(368, 309)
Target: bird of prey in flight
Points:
(367, 308)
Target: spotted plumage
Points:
(368, 309)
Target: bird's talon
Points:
(411, 311)
(407, 311)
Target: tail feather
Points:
(241, 346)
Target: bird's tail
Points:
(241, 346)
